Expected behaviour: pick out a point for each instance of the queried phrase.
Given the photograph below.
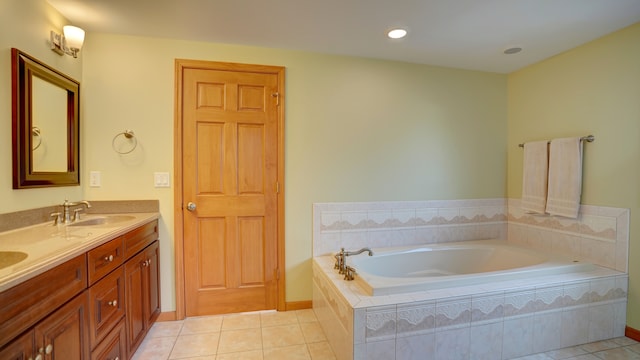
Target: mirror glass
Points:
(45, 124)
(49, 128)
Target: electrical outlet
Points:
(161, 179)
(95, 179)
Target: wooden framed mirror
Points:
(45, 124)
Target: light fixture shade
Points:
(74, 37)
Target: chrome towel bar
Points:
(588, 138)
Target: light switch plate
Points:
(95, 179)
(161, 179)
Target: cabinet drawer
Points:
(138, 239)
(113, 346)
(27, 303)
(103, 259)
(106, 305)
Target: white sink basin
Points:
(103, 220)
(8, 258)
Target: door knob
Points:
(191, 206)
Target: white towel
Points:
(534, 177)
(565, 177)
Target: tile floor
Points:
(615, 349)
(296, 335)
(261, 336)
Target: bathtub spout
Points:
(349, 253)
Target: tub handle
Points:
(349, 273)
(340, 261)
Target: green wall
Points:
(355, 130)
(25, 25)
(592, 89)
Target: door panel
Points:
(212, 253)
(251, 236)
(250, 159)
(210, 157)
(230, 170)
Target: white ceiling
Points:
(468, 34)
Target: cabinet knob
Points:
(49, 349)
(113, 303)
(38, 357)
(108, 258)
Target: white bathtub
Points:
(400, 270)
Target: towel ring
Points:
(129, 135)
(35, 132)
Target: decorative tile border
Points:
(416, 318)
(380, 323)
(453, 312)
(487, 308)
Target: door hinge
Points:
(277, 187)
(277, 273)
(277, 96)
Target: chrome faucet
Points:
(341, 262)
(66, 210)
(349, 253)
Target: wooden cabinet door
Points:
(64, 334)
(142, 283)
(134, 290)
(19, 349)
(153, 284)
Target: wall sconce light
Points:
(70, 43)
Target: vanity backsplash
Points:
(19, 219)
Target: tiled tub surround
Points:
(500, 320)
(600, 235)
(384, 224)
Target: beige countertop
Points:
(48, 245)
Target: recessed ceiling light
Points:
(397, 33)
(512, 50)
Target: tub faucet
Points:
(341, 262)
(66, 210)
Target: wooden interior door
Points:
(229, 188)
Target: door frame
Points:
(180, 66)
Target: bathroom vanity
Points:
(88, 290)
